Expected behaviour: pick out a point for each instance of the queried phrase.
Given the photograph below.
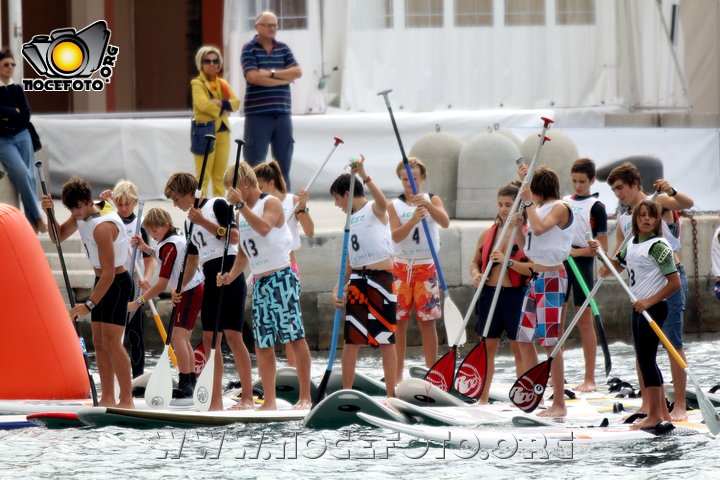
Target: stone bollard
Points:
(558, 154)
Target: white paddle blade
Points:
(453, 321)
(709, 413)
(158, 392)
(202, 395)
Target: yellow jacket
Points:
(203, 109)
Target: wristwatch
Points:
(240, 205)
(528, 203)
(89, 304)
(511, 263)
(221, 231)
(303, 210)
(272, 73)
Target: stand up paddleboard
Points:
(287, 386)
(55, 420)
(341, 408)
(361, 382)
(549, 437)
(13, 422)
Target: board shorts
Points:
(189, 307)
(586, 266)
(507, 311)
(232, 311)
(370, 310)
(542, 308)
(276, 309)
(416, 285)
(112, 308)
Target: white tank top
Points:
(130, 231)
(207, 243)
(179, 242)
(120, 245)
(292, 221)
(415, 244)
(267, 253)
(715, 253)
(625, 224)
(646, 279)
(370, 240)
(552, 247)
(581, 218)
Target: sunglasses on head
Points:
(208, 61)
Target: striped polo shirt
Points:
(260, 99)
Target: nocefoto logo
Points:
(68, 59)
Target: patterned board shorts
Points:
(370, 311)
(417, 285)
(276, 309)
(542, 307)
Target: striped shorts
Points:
(276, 309)
(542, 307)
(370, 311)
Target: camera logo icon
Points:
(69, 58)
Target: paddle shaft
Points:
(68, 287)
(338, 141)
(340, 293)
(411, 179)
(596, 313)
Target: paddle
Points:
(442, 373)
(68, 288)
(158, 392)
(596, 313)
(341, 288)
(202, 395)
(710, 415)
(451, 315)
(528, 390)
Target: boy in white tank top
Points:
(265, 245)
(106, 245)
(370, 313)
(547, 245)
(416, 280)
(626, 184)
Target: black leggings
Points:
(646, 343)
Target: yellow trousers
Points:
(217, 163)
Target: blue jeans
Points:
(18, 158)
(673, 326)
(269, 129)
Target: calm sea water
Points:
(288, 451)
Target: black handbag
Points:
(37, 144)
(197, 136)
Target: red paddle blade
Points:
(528, 390)
(200, 359)
(470, 377)
(441, 374)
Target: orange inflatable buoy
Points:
(40, 353)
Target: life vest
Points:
(516, 279)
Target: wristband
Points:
(673, 193)
(367, 180)
(141, 300)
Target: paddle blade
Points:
(470, 377)
(200, 359)
(709, 413)
(158, 392)
(453, 321)
(441, 374)
(528, 390)
(603, 344)
(202, 395)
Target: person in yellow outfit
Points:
(212, 100)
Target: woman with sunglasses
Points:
(16, 149)
(212, 100)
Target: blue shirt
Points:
(259, 99)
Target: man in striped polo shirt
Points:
(269, 67)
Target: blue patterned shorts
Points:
(276, 309)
